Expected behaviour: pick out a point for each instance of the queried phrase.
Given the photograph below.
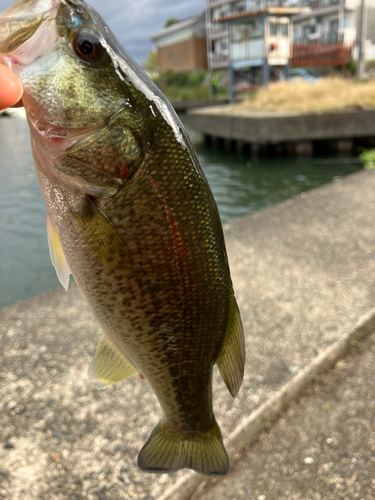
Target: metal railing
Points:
(220, 60)
(317, 54)
(323, 39)
(217, 29)
(261, 4)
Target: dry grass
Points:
(327, 94)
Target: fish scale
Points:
(132, 218)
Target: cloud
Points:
(135, 21)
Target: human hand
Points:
(10, 88)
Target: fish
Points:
(131, 217)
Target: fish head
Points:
(79, 101)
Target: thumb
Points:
(10, 87)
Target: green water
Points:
(239, 186)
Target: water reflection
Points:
(25, 268)
(239, 186)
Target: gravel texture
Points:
(322, 449)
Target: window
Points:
(308, 30)
(255, 29)
(284, 29)
(334, 25)
(240, 32)
(223, 45)
(278, 27)
(273, 28)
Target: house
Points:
(183, 46)
(260, 42)
(335, 21)
(218, 34)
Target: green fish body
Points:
(132, 218)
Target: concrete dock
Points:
(186, 105)
(285, 132)
(302, 426)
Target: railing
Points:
(262, 4)
(218, 2)
(332, 37)
(220, 60)
(218, 29)
(316, 54)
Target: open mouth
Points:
(26, 29)
(60, 137)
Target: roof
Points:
(185, 23)
(279, 11)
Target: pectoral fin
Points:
(57, 255)
(109, 366)
(231, 360)
(102, 238)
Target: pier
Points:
(292, 133)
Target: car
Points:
(294, 73)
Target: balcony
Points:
(328, 38)
(217, 31)
(217, 2)
(318, 54)
(262, 4)
(218, 60)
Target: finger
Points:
(10, 88)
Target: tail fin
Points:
(169, 451)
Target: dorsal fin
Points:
(109, 366)
(231, 360)
(57, 255)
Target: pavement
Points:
(322, 448)
(302, 426)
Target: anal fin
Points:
(231, 360)
(57, 255)
(109, 366)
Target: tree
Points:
(152, 63)
(170, 21)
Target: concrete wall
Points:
(189, 55)
(280, 127)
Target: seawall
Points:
(289, 133)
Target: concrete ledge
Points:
(183, 106)
(226, 123)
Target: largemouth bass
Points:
(132, 218)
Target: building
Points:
(335, 21)
(183, 46)
(260, 43)
(329, 22)
(218, 33)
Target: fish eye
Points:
(87, 46)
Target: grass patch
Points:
(188, 86)
(177, 93)
(326, 94)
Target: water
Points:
(239, 186)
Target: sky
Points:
(135, 21)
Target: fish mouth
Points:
(20, 21)
(60, 138)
